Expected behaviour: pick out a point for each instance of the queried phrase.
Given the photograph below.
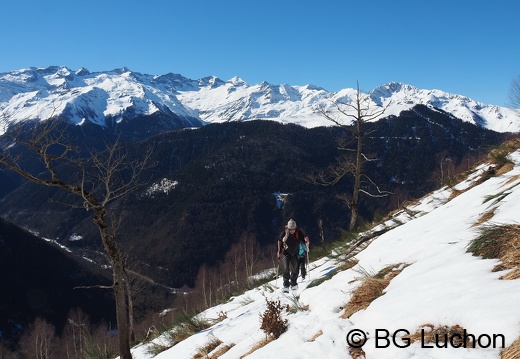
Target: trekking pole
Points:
(277, 274)
(308, 267)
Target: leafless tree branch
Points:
(514, 93)
(352, 117)
(98, 180)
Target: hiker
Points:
(289, 245)
(302, 257)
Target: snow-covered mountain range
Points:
(120, 94)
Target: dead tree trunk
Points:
(120, 284)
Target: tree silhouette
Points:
(97, 180)
(352, 117)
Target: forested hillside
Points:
(223, 179)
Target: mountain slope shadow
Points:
(40, 279)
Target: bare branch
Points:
(116, 174)
(95, 286)
(514, 93)
(366, 159)
(359, 109)
(333, 172)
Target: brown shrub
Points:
(356, 353)
(271, 320)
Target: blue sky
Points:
(466, 47)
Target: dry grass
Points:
(316, 336)
(512, 179)
(456, 193)
(500, 242)
(505, 168)
(497, 155)
(258, 345)
(347, 264)
(185, 327)
(512, 351)
(428, 333)
(485, 217)
(223, 350)
(371, 287)
(499, 158)
(487, 174)
(510, 256)
(203, 352)
(368, 291)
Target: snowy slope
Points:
(39, 93)
(441, 285)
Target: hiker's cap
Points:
(291, 224)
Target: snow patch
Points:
(163, 186)
(75, 237)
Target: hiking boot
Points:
(285, 289)
(294, 287)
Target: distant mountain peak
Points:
(211, 81)
(82, 72)
(388, 89)
(237, 81)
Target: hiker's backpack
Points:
(302, 250)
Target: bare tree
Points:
(352, 117)
(97, 181)
(235, 261)
(251, 254)
(322, 233)
(205, 285)
(514, 93)
(39, 342)
(73, 338)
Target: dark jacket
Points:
(293, 242)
